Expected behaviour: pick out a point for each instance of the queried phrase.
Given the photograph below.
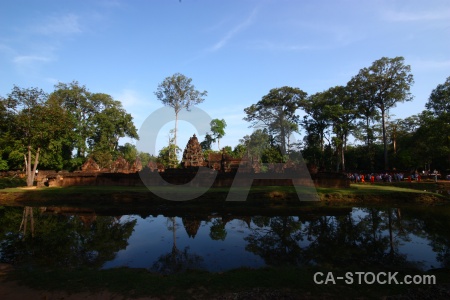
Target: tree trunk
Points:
(31, 172)
(175, 138)
(30, 177)
(383, 121)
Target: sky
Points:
(236, 50)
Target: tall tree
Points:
(98, 122)
(178, 92)
(36, 124)
(276, 111)
(342, 111)
(385, 83)
(112, 122)
(76, 99)
(315, 122)
(439, 100)
(218, 129)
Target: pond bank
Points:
(267, 201)
(269, 196)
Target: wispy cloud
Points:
(234, 31)
(26, 59)
(63, 25)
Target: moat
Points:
(408, 237)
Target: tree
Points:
(439, 100)
(218, 130)
(385, 83)
(36, 124)
(177, 92)
(76, 100)
(276, 111)
(168, 155)
(255, 144)
(206, 144)
(111, 124)
(316, 123)
(128, 152)
(342, 111)
(97, 122)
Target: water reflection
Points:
(396, 238)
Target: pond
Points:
(64, 237)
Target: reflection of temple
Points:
(191, 224)
(85, 215)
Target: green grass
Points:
(204, 285)
(263, 196)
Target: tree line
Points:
(61, 129)
(358, 110)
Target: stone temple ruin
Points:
(193, 154)
(122, 172)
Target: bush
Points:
(11, 182)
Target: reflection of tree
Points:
(217, 230)
(64, 241)
(176, 261)
(371, 240)
(435, 227)
(27, 217)
(276, 240)
(340, 241)
(332, 240)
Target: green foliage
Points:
(128, 152)
(178, 92)
(384, 84)
(239, 151)
(218, 130)
(8, 182)
(439, 101)
(168, 156)
(3, 165)
(276, 112)
(146, 158)
(272, 154)
(96, 120)
(206, 144)
(255, 144)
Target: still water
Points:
(407, 237)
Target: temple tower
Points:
(192, 155)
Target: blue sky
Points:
(237, 50)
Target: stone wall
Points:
(184, 176)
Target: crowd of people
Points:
(389, 176)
